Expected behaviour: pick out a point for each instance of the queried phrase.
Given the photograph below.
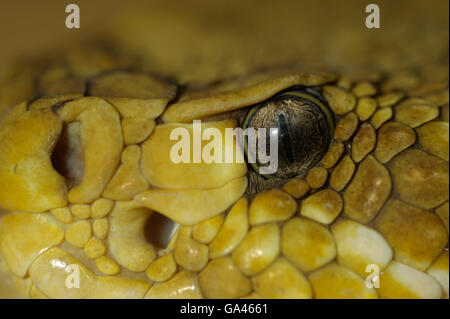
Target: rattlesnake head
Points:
(91, 195)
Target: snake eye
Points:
(300, 119)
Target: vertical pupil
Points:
(285, 139)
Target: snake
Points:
(94, 206)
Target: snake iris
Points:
(87, 183)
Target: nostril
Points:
(67, 156)
(159, 230)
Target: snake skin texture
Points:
(87, 182)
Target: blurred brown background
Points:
(200, 39)
(33, 27)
